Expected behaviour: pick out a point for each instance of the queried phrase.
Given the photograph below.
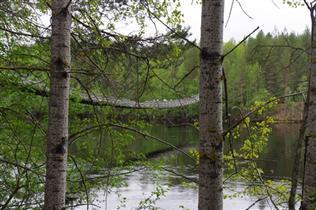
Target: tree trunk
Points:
(297, 159)
(211, 128)
(309, 184)
(57, 139)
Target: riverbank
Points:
(291, 112)
(288, 112)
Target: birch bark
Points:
(211, 128)
(57, 137)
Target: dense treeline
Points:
(264, 66)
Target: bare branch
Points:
(194, 180)
(21, 166)
(230, 12)
(242, 41)
(244, 11)
(253, 204)
(256, 109)
(74, 137)
(185, 76)
(23, 34)
(169, 28)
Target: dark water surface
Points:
(276, 163)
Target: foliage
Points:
(242, 162)
(150, 201)
(137, 66)
(244, 148)
(293, 3)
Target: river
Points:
(276, 162)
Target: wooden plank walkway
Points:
(126, 103)
(99, 100)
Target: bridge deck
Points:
(126, 103)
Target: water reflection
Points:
(275, 162)
(142, 184)
(277, 159)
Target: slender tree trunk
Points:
(309, 183)
(297, 158)
(211, 128)
(57, 139)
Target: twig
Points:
(185, 76)
(75, 136)
(244, 11)
(23, 34)
(283, 46)
(82, 179)
(181, 175)
(252, 205)
(266, 188)
(28, 68)
(146, 80)
(275, 4)
(184, 125)
(83, 204)
(230, 176)
(169, 28)
(115, 174)
(307, 5)
(230, 12)
(13, 193)
(256, 109)
(243, 40)
(21, 166)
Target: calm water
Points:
(276, 162)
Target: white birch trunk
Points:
(211, 128)
(57, 137)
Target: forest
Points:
(93, 117)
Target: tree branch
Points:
(242, 41)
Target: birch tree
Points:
(57, 139)
(211, 128)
